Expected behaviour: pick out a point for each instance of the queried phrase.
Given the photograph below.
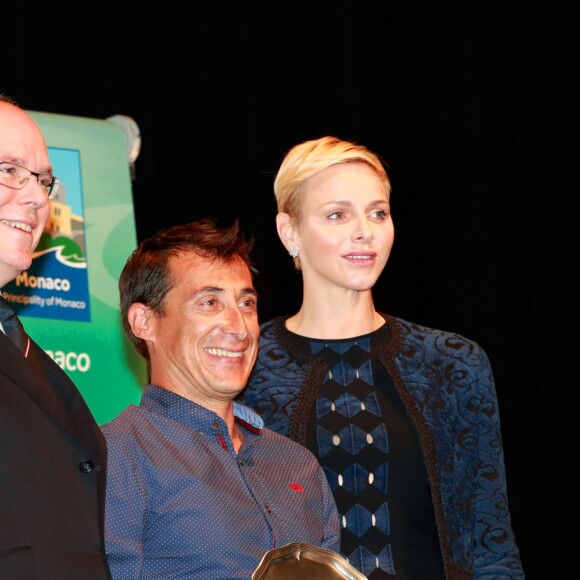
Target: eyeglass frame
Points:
(50, 189)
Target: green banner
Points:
(68, 299)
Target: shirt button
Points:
(215, 425)
(86, 466)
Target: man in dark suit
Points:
(52, 452)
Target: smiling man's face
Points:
(23, 212)
(204, 345)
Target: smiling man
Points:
(53, 455)
(197, 487)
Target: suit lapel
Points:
(54, 393)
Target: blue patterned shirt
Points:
(182, 504)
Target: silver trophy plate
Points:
(304, 562)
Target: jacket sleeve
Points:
(496, 553)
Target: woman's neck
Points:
(321, 319)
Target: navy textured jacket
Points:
(446, 384)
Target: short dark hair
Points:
(145, 277)
(7, 98)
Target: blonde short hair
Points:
(309, 158)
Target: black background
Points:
(472, 105)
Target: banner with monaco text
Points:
(68, 299)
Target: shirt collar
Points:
(169, 404)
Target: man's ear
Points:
(286, 231)
(138, 317)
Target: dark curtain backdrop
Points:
(472, 105)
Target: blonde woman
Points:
(403, 418)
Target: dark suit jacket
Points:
(52, 474)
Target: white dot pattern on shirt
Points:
(197, 509)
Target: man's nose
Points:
(33, 192)
(235, 324)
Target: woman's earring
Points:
(293, 252)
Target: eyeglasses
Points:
(16, 177)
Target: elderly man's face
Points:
(23, 212)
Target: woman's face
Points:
(346, 231)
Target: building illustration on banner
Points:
(56, 284)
